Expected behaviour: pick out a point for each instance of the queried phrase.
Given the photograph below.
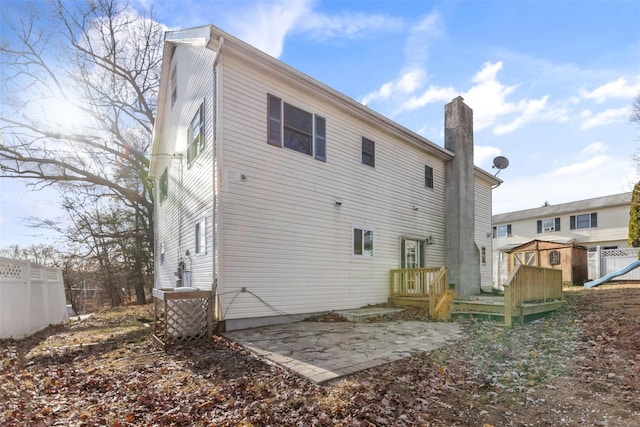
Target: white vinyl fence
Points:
(31, 298)
(604, 261)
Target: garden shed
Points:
(570, 258)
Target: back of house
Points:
(284, 196)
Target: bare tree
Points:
(635, 110)
(79, 91)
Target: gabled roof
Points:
(622, 199)
(555, 245)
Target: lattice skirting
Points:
(182, 317)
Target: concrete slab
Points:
(324, 351)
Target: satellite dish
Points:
(500, 163)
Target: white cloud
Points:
(608, 116)
(407, 83)
(620, 88)
(530, 110)
(431, 95)
(594, 148)
(484, 155)
(488, 96)
(414, 73)
(581, 167)
(420, 38)
(321, 26)
(255, 23)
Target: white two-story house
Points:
(599, 224)
(286, 197)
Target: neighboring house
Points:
(600, 223)
(286, 197)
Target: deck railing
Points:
(533, 285)
(413, 282)
(423, 283)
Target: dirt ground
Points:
(579, 366)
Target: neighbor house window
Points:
(363, 242)
(428, 176)
(201, 234)
(502, 231)
(174, 85)
(164, 185)
(548, 225)
(368, 152)
(296, 129)
(583, 221)
(195, 136)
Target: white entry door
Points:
(412, 258)
(412, 254)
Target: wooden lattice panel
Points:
(181, 317)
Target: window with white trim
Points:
(363, 242)
(548, 225)
(428, 176)
(483, 255)
(291, 127)
(195, 135)
(502, 231)
(589, 220)
(201, 237)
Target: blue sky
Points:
(551, 83)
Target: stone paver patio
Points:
(325, 351)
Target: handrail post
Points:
(508, 309)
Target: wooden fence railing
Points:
(528, 285)
(424, 283)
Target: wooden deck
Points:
(493, 306)
(529, 290)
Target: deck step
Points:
(476, 313)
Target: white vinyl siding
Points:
(483, 232)
(285, 239)
(190, 195)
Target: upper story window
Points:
(294, 128)
(502, 231)
(363, 242)
(428, 176)
(174, 85)
(164, 185)
(368, 152)
(583, 221)
(548, 225)
(195, 137)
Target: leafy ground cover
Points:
(577, 366)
